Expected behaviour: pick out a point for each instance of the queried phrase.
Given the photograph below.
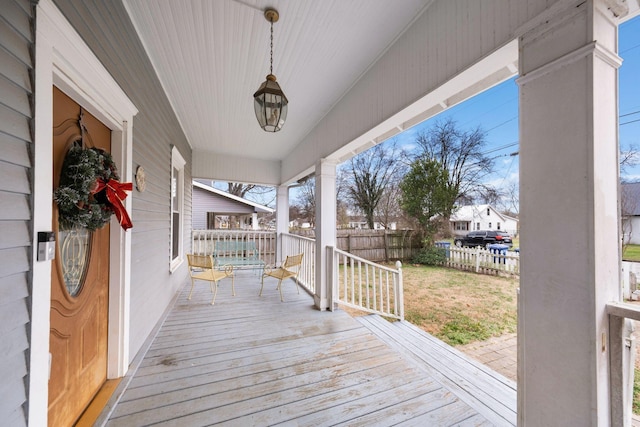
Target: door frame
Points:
(64, 60)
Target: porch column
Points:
(569, 214)
(254, 221)
(325, 229)
(282, 217)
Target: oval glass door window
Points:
(75, 251)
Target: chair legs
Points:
(214, 288)
(261, 286)
(191, 291)
(279, 288)
(214, 291)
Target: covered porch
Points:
(252, 360)
(571, 328)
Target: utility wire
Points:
(630, 114)
(628, 49)
(502, 147)
(501, 124)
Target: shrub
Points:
(431, 255)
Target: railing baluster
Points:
(387, 283)
(360, 283)
(367, 287)
(353, 282)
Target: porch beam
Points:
(568, 144)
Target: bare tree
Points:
(264, 195)
(388, 210)
(343, 203)
(369, 173)
(460, 154)
(306, 200)
(239, 189)
(510, 202)
(629, 158)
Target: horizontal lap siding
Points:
(107, 30)
(16, 64)
(205, 201)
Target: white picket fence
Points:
(482, 260)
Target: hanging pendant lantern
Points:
(269, 101)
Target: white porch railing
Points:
(292, 245)
(622, 353)
(367, 286)
(481, 260)
(203, 241)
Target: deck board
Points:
(492, 394)
(254, 361)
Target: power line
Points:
(630, 114)
(502, 147)
(504, 178)
(628, 49)
(501, 124)
(631, 121)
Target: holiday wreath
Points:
(90, 191)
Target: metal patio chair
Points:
(289, 269)
(202, 267)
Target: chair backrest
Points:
(292, 261)
(200, 261)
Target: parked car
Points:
(483, 238)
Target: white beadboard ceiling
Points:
(211, 56)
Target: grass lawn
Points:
(631, 253)
(459, 307)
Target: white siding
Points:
(107, 30)
(16, 39)
(205, 201)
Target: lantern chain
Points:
(271, 63)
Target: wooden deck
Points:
(254, 361)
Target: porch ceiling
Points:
(211, 56)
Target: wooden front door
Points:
(79, 284)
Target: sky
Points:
(496, 112)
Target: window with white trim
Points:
(177, 208)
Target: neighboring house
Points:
(359, 222)
(299, 223)
(168, 86)
(630, 211)
(481, 217)
(216, 209)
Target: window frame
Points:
(177, 166)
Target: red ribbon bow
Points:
(115, 192)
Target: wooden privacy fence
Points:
(204, 241)
(376, 245)
(482, 260)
